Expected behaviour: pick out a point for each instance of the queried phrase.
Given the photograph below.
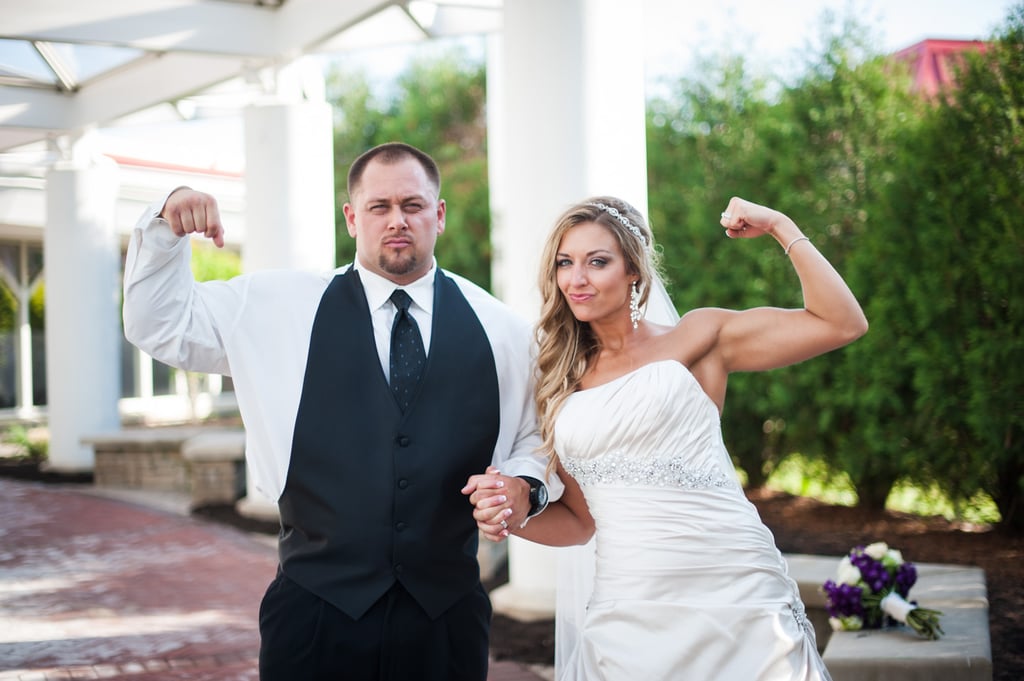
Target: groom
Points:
(365, 451)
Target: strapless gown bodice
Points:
(688, 582)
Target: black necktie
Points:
(407, 355)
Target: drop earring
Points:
(634, 306)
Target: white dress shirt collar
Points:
(379, 289)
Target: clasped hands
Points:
(499, 502)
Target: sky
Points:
(774, 32)
(771, 33)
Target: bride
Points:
(687, 582)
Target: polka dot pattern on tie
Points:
(407, 354)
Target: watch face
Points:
(542, 496)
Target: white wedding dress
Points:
(687, 581)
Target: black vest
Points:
(372, 495)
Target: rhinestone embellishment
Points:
(645, 471)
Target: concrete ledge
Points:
(141, 458)
(258, 507)
(216, 467)
(206, 464)
(228, 445)
(130, 439)
(525, 605)
(964, 653)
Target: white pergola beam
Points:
(185, 25)
(171, 76)
(152, 25)
(167, 77)
(309, 23)
(462, 20)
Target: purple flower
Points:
(843, 600)
(906, 577)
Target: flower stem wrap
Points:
(922, 620)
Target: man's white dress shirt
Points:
(256, 328)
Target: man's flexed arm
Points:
(166, 313)
(190, 212)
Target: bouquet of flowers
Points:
(870, 591)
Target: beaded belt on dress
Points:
(653, 470)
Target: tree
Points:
(851, 114)
(704, 145)
(819, 150)
(967, 294)
(438, 107)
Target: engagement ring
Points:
(504, 525)
(726, 216)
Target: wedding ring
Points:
(504, 525)
(726, 216)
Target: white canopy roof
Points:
(67, 66)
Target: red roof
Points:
(175, 167)
(932, 62)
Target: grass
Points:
(979, 509)
(805, 477)
(30, 444)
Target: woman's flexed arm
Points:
(765, 338)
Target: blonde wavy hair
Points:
(566, 346)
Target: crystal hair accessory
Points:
(614, 212)
(634, 305)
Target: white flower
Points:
(877, 550)
(850, 623)
(896, 557)
(848, 573)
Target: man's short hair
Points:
(388, 153)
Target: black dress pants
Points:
(304, 638)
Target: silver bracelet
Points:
(799, 238)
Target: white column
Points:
(568, 90)
(289, 175)
(143, 374)
(83, 331)
(23, 372)
(289, 187)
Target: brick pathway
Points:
(96, 588)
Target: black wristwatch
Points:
(538, 495)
